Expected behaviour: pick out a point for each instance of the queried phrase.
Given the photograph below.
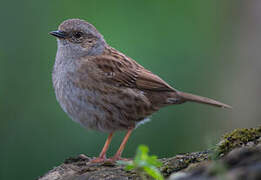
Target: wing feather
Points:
(123, 71)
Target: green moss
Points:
(182, 161)
(237, 138)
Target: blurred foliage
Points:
(186, 42)
(144, 164)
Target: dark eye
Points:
(77, 34)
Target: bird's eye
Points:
(78, 34)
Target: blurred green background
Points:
(210, 48)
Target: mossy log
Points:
(236, 156)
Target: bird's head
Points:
(79, 38)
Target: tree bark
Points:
(236, 156)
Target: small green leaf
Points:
(153, 160)
(153, 172)
(143, 163)
(129, 167)
(142, 153)
(144, 149)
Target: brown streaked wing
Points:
(126, 72)
(149, 81)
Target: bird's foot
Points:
(109, 161)
(118, 158)
(99, 160)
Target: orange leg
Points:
(102, 156)
(117, 156)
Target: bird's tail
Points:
(200, 99)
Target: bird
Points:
(105, 90)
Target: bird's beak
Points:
(58, 34)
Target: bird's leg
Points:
(117, 156)
(102, 156)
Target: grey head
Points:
(78, 38)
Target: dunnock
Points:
(103, 89)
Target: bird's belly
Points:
(95, 109)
